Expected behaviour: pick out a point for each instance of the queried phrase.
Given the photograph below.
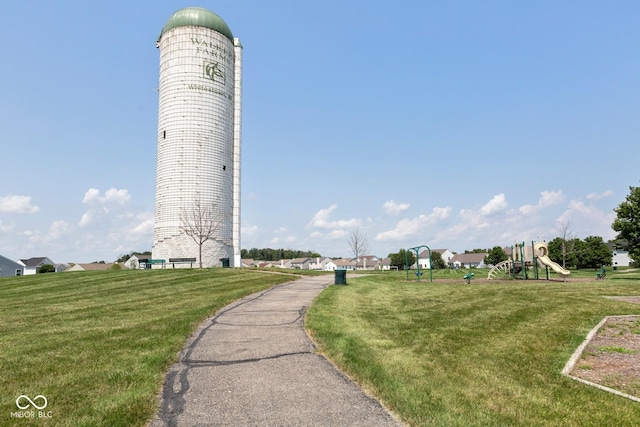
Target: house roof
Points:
(95, 266)
(34, 262)
(475, 258)
(7, 260)
(425, 253)
(343, 262)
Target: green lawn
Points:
(96, 344)
(485, 354)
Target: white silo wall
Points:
(237, 139)
(195, 159)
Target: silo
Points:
(199, 123)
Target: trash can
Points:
(341, 277)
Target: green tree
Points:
(268, 254)
(401, 258)
(627, 223)
(594, 253)
(495, 256)
(475, 251)
(437, 263)
(46, 268)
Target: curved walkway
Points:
(252, 364)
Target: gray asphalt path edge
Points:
(252, 364)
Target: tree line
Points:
(268, 254)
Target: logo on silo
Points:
(213, 71)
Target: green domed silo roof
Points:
(197, 17)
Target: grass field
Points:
(485, 354)
(96, 344)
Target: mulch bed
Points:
(612, 358)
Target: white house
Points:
(344, 264)
(474, 260)
(134, 260)
(325, 264)
(31, 265)
(621, 258)
(423, 258)
(300, 263)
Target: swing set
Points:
(417, 251)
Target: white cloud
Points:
(547, 198)
(145, 224)
(17, 204)
(598, 196)
(99, 206)
(112, 195)
(120, 197)
(58, 229)
(410, 227)
(392, 208)
(321, 220)
(588, 220)
(495, 205)
(336, 234)
(92, 195)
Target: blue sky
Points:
(453, 124)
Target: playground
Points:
(525, 262)
(528, 262)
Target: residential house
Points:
(94, 266)
(385, 264)
(423, 258)
(10, 268)
(283, 263)
(134, 260)
(31, 265)
(620, 256)
(300, 263)
(367, 262)
(473, 260)
(319, 263)
(248, 262)
(344, 264)
(330, 265)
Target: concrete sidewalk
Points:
(252, 364)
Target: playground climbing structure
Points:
(523, 257)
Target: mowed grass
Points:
(97, 344)
(486, 354)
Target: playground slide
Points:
(554, 266)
